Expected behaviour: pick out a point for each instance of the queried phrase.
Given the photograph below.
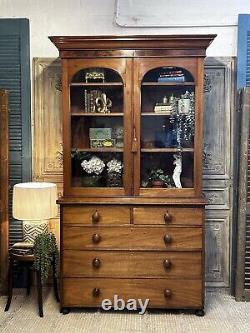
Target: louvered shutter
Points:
(242, 291)
(243, 51)
(15, 77)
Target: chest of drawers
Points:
(132, 251)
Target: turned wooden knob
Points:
(96, 292)
(96, 238)
(167, 239)
(95, 217)
(96, 263)
(167, 293)
(167, 263)
(167, 217)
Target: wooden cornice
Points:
(194, 44)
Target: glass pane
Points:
(96, 99)
(167, 128)
(99, 169)
(167, 170)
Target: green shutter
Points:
(15, 77)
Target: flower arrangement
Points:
(94, 166)
(114, 166)
(114, 172)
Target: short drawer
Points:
(94, 214)
(132, 238)
(132, 264)
(168, 215)
(162, 293)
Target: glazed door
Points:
(168, 126)
(97, 127)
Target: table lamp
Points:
(35, 204)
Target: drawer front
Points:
(95, 215)
(168, 215)
(132, 238)
(162, 293)
(132, 264)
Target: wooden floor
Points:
(223, 315)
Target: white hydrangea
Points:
(114, 166)
(94, 165)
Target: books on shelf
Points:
(162, 108)
(90, 97)
(172, 79)
(172, 74)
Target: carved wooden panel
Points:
(217, 172)
(47, 121)
(218, 167)
(217, 248)
(47, 125)
(218, 99)
(218, 193)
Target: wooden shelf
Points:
(94, 84)
(168, 84)
(155, 114)
(166, 150)
(99, 150)
(97, 114)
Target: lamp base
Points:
(33, 228)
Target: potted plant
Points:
(114, 173)
(93, 169)
(45, 254)
(157, 178)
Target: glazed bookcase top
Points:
(132, 127)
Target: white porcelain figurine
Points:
(177, 170)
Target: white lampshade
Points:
(34, 201)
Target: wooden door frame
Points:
(123, 68)
(4, 188)
(196, 68)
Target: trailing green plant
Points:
(45, 251)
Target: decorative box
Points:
(102, 143)
(100, 133)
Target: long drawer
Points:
(132, 238)
(168, 215)
(96, 214)
(132, 264)
(162, 293)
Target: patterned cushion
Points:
(30, 231)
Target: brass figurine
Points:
(103, 104)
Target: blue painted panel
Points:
(243, 51)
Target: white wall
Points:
(97, 17)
